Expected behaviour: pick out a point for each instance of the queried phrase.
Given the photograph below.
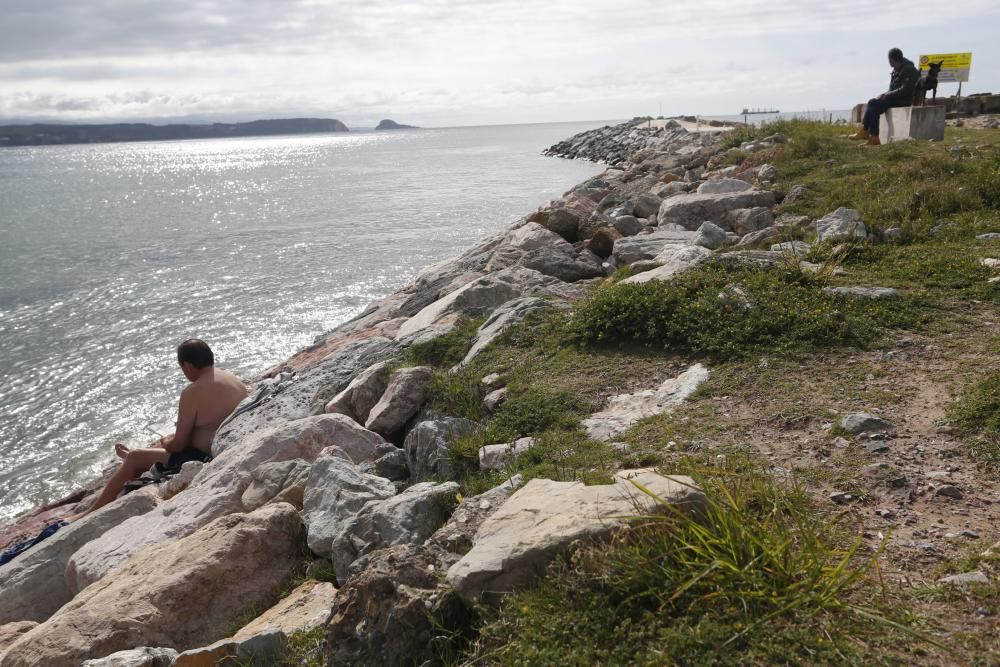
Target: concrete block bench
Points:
(926, 123)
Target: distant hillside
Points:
(42, 134)
(393, 125)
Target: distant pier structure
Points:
(753, 112)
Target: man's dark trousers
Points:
(876, 108)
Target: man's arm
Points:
(186, 412)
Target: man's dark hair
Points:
(196, 352)
(895, 54)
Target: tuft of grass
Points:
(727, 310)
(446, 350)
(761, 578)
(977, 412)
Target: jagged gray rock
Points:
(710, 236)
(284, 481)
(647, 246)
(408, 518)
(841, 225)
(136, 657)
(408, 389)
(428, 446)
(335, 491)
(690, 210)
(864, 422)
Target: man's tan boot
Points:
(860, 135)
(874, 141)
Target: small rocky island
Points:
(47, 134)
(388, 124)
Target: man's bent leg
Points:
(136, 462)
(876, 108)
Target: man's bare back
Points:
(207, 402)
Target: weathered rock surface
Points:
(502, 319)
(624, 410)
(265, 648)
(965, 579)
(497, 457)
(864, 422)
(544, 517)
(408, 518)
(32, 586)
(864, 292)
(11, 632)
(795, 248)
(305, 608)
(690, 210)
(392, 610)
(362, 393)
(841, 225)
(335, 491)
(457, 534)
(284, 481)
(408, 389)
(646, 206)
(218, 490)
(723, 185)
(182, 480)
(672, 261)
(428, 446)
(743, 221)
(180, 595)
(136, 657)
(710, 236)
(647, 246)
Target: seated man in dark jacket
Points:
(900, 94)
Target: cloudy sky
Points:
(459, 62)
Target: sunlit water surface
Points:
(111, 254)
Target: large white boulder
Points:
(32, 586)
(544, 517)
(182, 595)
(646, 246)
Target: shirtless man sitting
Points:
(204, 404)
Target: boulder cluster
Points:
(347, 467)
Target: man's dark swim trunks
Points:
(177, 459)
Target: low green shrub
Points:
(732, 310)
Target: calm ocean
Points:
(112, 254)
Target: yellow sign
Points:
(955, 67)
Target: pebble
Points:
(971, 534)
(886, 514)
(963, 580)
(948, 491)
(840, 497)
(878, 447)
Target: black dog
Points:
(927, 82)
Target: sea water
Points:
(112, 254)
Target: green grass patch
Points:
(761, 579)
(977, 412)
(908, 183)
(446, 350)
(724, 311)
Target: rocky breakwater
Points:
(346, 465)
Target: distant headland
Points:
(48, 134)
(387, 124)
